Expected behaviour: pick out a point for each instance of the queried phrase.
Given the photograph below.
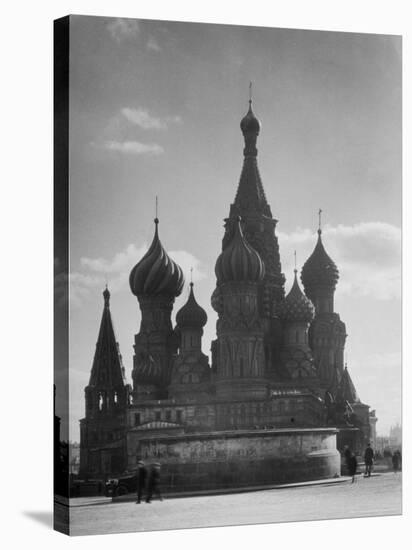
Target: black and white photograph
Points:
(227, 275)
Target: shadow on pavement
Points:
(44, 518)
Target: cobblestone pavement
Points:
(376, 496)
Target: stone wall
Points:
(240, 458)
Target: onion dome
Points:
(156, 273)
(296, 306)
(250, 124)
(319, 269)
(216, 301)
(239, 261)
(191, 315)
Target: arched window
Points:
(100, 399)
(115, 397)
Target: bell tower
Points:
(107, 398)
(327, 333)
(156, 280)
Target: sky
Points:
(155, 109)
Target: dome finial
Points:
(320, 221)
(106, 296)
(250, 93)
(156, 220)
(191, 276)
(295, 270)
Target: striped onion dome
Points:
(239, 261)
(156, 273)
(296, 306)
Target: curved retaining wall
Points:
(231, 459)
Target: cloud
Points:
(121, 29)
(134, 147)
(122, 261)
(142, 118)
(120, 132)
(368, 256)
(152, 45)
(187, 261)
(95, 272)
(75, 287)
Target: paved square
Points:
(376, 496)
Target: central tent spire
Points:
(250, 194)
(258, 224)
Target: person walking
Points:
(368, 457)
(396, 461)
(153, 486)
(141, 475)
(352, 464)
(347, 454)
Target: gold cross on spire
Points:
(295, 259)
(250, 92)
(320, 218)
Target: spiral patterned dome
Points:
(250, 124)
(156, 273)
(216, 301)
(319, 269)
(239, 261)
(296, 306)
(191, 315)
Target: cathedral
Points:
(276, 387)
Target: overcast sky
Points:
(155, 110)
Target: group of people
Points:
(149, 480)
(369, 458)
(352, 463)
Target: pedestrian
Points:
(396, 459)
(153, 486)
(368, 457)
(352, 466)
(141, 475)
(347, 455)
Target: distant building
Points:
(277, 362)
(395, 436)
(74, 458)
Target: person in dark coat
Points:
(352, 466)
(396, 461)
(368, 457)
(153, 485)
(347, 454)
(141, 475)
